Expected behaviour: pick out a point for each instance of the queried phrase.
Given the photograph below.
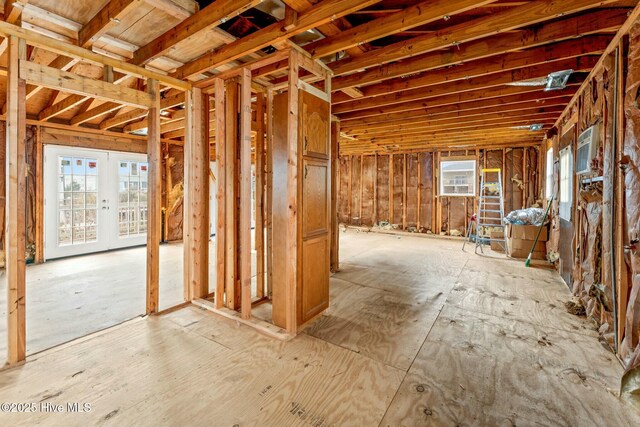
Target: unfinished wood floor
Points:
(418, 333)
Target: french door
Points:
(94, 200)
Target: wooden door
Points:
(313, 284)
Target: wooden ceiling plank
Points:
(518, 17)
(108, 17)
(413, 16)
(66, 49)
(173, 9)
(207, 18)
(321, 13)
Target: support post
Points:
(245, 193)
(39, 208)
(269, 192)
(222, 195)
(196, 195)
(154, 220)
(291, 271)
(335, 236)
(260, 195)
(15, 202)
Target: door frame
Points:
(107, 201)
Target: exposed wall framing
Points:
(402, 190)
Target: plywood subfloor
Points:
(418, 333)
(70, 298)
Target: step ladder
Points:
(490, 208)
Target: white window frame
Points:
(473, 168)
(549, 174)
(565, 198)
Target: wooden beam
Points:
(154, 199)
(589, 45)
(601, 21)
(169, 102)
(413, 16)
(96, 112)
(245, 194)
(15, 204)
(196, 206)
(53, 78)
(321, 13)
(499, 95)
(13, 10)
(523, 102)
(500, 22)
(108, 17)
(62, 48)
(221, 151)
(207, 18)
(60, 107)
(479, 83)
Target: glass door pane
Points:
(132, 198)
(77, 200)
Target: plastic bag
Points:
(530, 216)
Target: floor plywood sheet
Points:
(418, 333)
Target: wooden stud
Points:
(154, 220)
(260, 208)
(15, 204)
(291, 271)
(391, 218)
(419, 196)
(231, 235)
(622, 280)
(404, 191)
(221, 152)
(269, 191)
(245, 194)
(335, 183)
(39, 193)
(196, 195)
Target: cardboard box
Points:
(497, 246)
(520, 240)
(527, 232)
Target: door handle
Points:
(306, 143)
(306, 171)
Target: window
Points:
(549, 179)
(457, 178)
(566, 183)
